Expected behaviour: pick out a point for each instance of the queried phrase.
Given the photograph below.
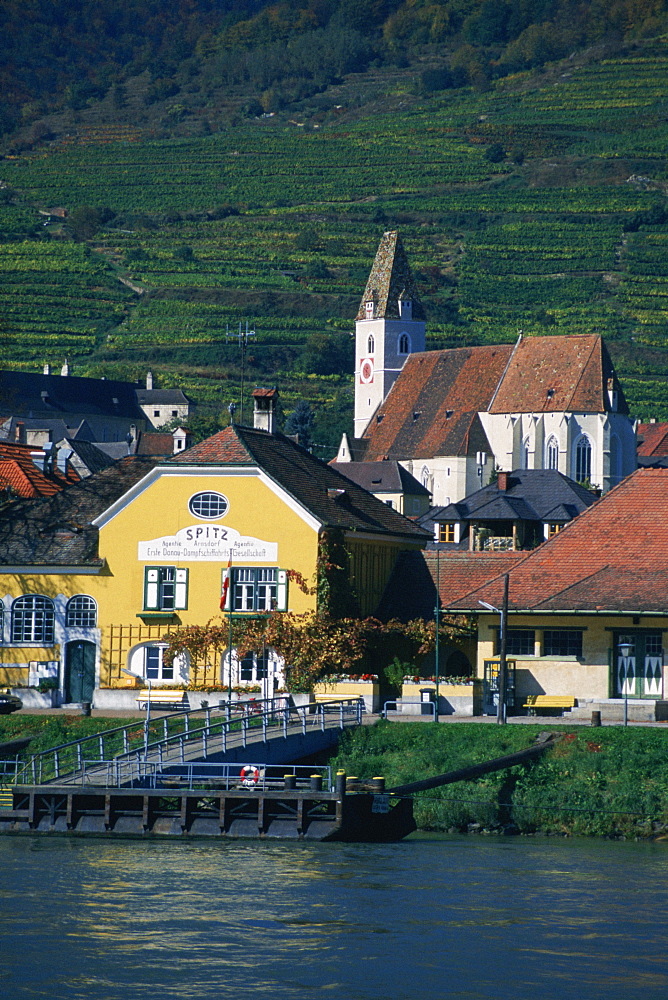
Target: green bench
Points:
(558, 702)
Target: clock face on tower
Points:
(366, 371)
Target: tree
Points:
(300, 422)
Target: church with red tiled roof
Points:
(451, 417)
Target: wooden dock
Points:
(278, 813)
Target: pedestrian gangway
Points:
(272, 731)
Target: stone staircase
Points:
(612, 710)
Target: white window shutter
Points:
(282, 591)
(151, 588)
(181, 590)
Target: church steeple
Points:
(389, 327)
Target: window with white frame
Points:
(155, 666)
(552, 454)
(368, 309)
(583, 460)
(259, 589)
(165, 588)
(81, 612)
(208, 505)
(33, 619)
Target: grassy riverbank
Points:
(608, 782)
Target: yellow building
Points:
(93, 578)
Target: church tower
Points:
(389, 326)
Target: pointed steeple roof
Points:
(390, 279)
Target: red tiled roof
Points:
(19, 471)
(613, 557)
(390, 279)
(221, 448)
(558, 373)
(432, 408)
(652, 440)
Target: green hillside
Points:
(535, 201)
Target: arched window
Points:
(33, 620)
(425, 477)
(370, 344)
(583, 460)
(81, 612)
(525, 453)
(552, 454)
(148, 660)
(404, 345)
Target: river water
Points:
(443, 917)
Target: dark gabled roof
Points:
(161, 396)
(381, 477)
(331, 498)
(390, 279)
(556, 374)
(532, 495)
(613, 557)
(432, 408)
(33, 395)
(92, 457)
(58, 531)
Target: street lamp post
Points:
(625, 651)
(437, 617)
(503, 638)
(147, 681)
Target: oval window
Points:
(208, 505)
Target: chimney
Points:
(265, 404)
(20, 432)
(47, 369)
(149, 380)
(502, 480)
(65, 370)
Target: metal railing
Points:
(201, 775)
(186, 736)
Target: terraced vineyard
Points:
(539, 205)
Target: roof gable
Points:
(558, 374)
(330, 497)
(432, 408)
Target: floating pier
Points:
(297, 810)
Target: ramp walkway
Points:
(272, 732)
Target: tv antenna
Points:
(242, 336)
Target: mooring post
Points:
(340, 784)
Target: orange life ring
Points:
(250, 775)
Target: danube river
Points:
(465, 918)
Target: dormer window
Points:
(368, 309)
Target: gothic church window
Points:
(404, 346)
(583, 460)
